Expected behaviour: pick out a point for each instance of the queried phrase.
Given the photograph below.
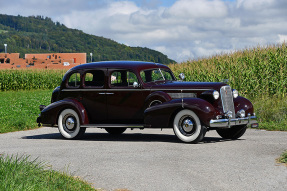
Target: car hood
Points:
(188, 85)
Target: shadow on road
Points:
(130, 137)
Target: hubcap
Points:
(70, 123)
(187, 125)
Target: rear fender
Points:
(159, 96)
(161, 116)
(49, 114)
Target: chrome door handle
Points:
(110, 93)
(102, 93)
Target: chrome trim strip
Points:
(127, 89)
(182, 95)
(180, 89)
(113, 125)
(232, 122)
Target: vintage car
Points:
(117, 95)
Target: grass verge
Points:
(271, 112)
(19, 173)
(19, 109)
(283, 158)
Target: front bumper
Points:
(227, 123)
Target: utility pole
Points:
(91, 54)
(5, 48)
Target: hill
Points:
(38, 34)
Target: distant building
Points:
(41, 61)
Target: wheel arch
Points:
(53, 111)
(168, 110)
(158, 95)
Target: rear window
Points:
(74, 80)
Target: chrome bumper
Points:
(250, 120)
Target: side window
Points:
(94, 78)
(74, 80)
(167, 75)
(123, 79)
(131, 78)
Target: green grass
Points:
(271, 112)
(283, 158)
(20, 109)
(20, 173)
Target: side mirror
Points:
(135, 85)
(181, 76)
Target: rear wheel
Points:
(115, 131)
(234, 132)
(187, 127)
(69, 124)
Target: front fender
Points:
(243, 103)
(162, 115)
(49, 115)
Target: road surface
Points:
(151, 159)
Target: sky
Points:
(181, 29)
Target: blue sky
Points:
(181, 29)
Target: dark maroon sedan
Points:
(117, 95)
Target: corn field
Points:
(253, 72)
(30, 79)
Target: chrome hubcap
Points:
(70, 123)
(187, 125)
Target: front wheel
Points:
(234, 132)
(187, 127)
(69, 124)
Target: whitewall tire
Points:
(187, 127)
(69, 124)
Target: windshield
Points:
(153, 75)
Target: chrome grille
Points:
(227, 100)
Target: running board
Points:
(115, 126)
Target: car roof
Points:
(135, 65)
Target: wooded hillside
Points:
(38, 34)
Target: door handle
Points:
(106, 93)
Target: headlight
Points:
(235, 93)
(215, 94)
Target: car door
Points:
(94, 95)
(124, 101)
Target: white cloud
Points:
(197, 9)
(282, 38)
(185, 30)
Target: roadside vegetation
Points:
(30, 79)
(260, 74)
(283, 158)
(22, 173)
(20, 109)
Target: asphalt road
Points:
(155, 160)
